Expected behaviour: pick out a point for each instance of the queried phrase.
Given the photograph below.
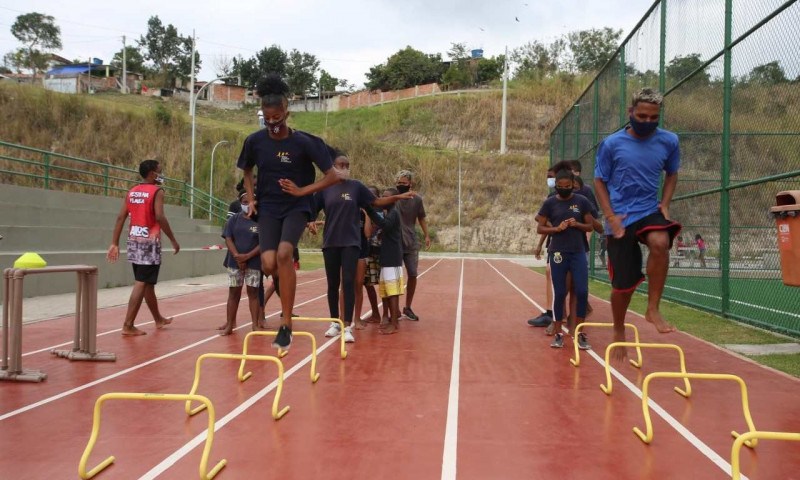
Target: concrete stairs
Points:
(73, 228)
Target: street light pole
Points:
(505, 90)
(193, 112)
(211, 178)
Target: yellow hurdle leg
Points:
(608, 386)
(314, 374)
(752, 437)
(342, 351)
(648, 436)
(207, 405)
(577, 360)
(276, 414)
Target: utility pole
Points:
(89, 87)
(192, 101)
(124, 67)
(505, 94)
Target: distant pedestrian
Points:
(411, 211)
(701, 249)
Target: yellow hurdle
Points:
(752, 437)
(277, 415)
(342, 351)
(608, 387)
(647, 438)
(577, 360)
(204, 474)
(314, 374)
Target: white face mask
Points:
(344, 173)
(159, 179)
(245, 209)
(551, 183)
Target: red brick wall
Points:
(365, 98)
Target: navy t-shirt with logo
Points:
(556, 210)
(244, 233)
(292, 158)
(342, 203)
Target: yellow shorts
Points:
(391, 282)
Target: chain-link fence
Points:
(730, 70)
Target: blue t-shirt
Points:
(556, 210)
(342, 203)
(631, 169)
(244, 234)
(292, 158)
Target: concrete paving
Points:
(768, 349)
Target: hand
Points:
(175, 247)
(241, 265)
(427, 242)
(407, 195)
(537, 253)
(563, 225)
(571, 222)
(239, 257)
(312, 228)
(290, 187)
(615, 223)
(664, 210)
(252, 211)
(112, 255)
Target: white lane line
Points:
(683, 431)
(53, 398)
(200, 438)
(450, 455)
(117, 330)
(517, 288)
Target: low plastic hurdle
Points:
(608, 386)
(276, 414)
(84, 347)
(752, 437)
(205, 474)
(576, 362)
(281, 353)
(648, 437)
(342, 351)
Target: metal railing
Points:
(731, 75)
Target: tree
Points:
(39, 33)
(591, 49)
(406, 68)
(134, 61)
(16, 60)
(169, 51)
(537, 60)
(301, 72)
(490, 69)
(767, 74)
(266, 60)
(327, 82)
(681, 67)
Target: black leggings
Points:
(340, 268)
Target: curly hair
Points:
(272, 90)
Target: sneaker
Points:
(551, 329)
(409, 314)
(284, 338)
(558, 341)
(348, 335)
(542, 320)
(583, 342)
(333, 330)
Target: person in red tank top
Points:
(144, 204)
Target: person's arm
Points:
(368, 227)
(112, 255)
(543, 228)
(603, 198)
(162, 220)
(424, 225)
(587, 225)
(331, 177)
(385, 201)
(249, 188)
(670, 182)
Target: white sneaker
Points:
(333, 330)
(348, 335)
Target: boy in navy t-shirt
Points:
(243, 264)
(570, 217)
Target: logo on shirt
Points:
(284, 157)
(575, 209)
(346, 196)
(137, 231)
(557, 257)
(137, 198)
(254, 229)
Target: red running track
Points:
(469, 392)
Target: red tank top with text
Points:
(144, 235)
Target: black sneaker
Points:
(583, 342)
(558, 341)
(410, 314)
(284, 338)
(542, 320)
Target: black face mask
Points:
(643, 129)
(403, 188)
(275, 128)
(564, 192)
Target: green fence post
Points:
(662, 55)
(595, 140)
(577, 130)
(105, 181)
(724, 207)
(623, 104)
(46, 159)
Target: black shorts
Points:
(146, 273)
(625, 254)
(272, 231)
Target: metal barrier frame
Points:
(648, 437)
(85, 337)
(342, 351)
(576, 362)
(753, 437)
(204, 473)
(281, 353)
(608, 387)
(277, 415)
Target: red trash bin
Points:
(787, 217)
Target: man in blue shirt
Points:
(627, 176)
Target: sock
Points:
(549, 313)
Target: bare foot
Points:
(619, 355)
(226, 331)
(654, 317)
(374, 319)
(223, 326)
(132, 332)
(388, 330)
(162, 322)
(361, 324)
